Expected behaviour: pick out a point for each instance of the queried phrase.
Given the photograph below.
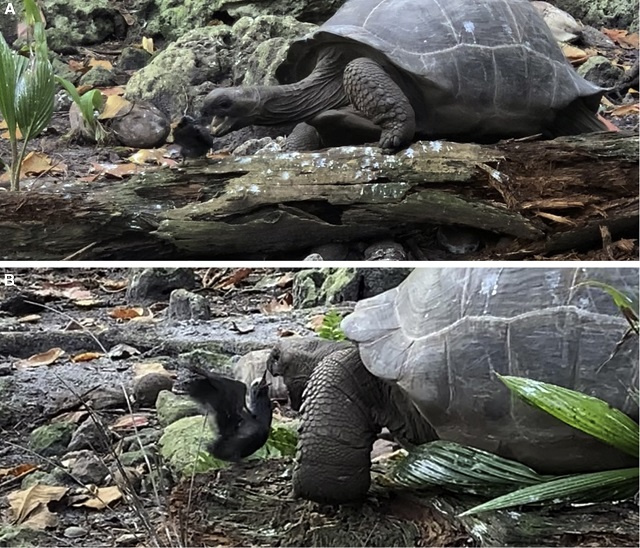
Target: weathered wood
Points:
(553, 194)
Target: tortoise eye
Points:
(225, 103)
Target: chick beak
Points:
(263, 381)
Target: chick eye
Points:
(224, 103)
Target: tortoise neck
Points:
(320, 91)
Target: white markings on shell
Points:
(489, 286)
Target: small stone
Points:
(86, 467)
(332, 252)
(385, 250)
(142, 126)
(133, 477)
(170, 408)
(90, 435)
(133, 58)
(129, 539)
(152, 284)
(75, 532)
(51, 439)
(147, 388)
(600, 71)
(98, 77)
(184, 305)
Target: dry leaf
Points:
(114, 90)
(87, 303)
(103, 63)
(31, 318)
(17, 471)
(125, 313)
(623, 38)
(45, 358)
(101, 498)
(115, 106)
(315, 323)
(144, 368)
(285, 280)
(114, 285)
(243, 327)
(282, 304)
(78, 66)
(86, 357)
(37, 163)
(128, 422)
(26, 501)
(147, 156)
(575, 55)
(237, 276)
(147, 44)
(116, 170)
(623, 110)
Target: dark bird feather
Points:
(241, 430)
(194, 140)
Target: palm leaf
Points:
(594, 487)
(460, 468)
(34, 95)
(12, 67)
(586, 413)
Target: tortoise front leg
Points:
(374, 93)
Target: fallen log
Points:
(546, 197)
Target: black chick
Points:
(194, 140)
(241, 430)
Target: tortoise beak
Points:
(221, 125)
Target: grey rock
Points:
(90, 435)
(253, 146)
(74, 531)
(82, 22)
(185, 305)
(603, 13)
(135, 458)
(147, 437)
(51, 439)
(55, 478)
(86, 467)
(141, 126)
(601, 71)
(127, 476)
(385, 250)
(178, 78)
(332, 252)
(129, 539)
(152, 284)
(98, 77)
(170, 408)
(133, 58)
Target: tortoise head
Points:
(231, 108)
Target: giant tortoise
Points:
(395, 70)
(424, 362)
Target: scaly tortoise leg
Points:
(374, 93)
